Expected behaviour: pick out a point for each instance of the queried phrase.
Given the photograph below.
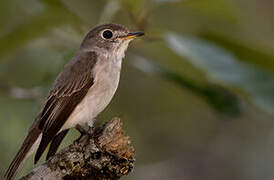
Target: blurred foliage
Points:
(244, 52)
(222, 100)
(224, 68)
(218, 54)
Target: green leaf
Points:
(245, 51)
(219, 98)
(224, 68)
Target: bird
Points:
(80, 92)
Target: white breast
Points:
(99, 95)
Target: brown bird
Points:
(81, 91)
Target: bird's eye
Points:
(107, 34)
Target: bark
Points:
(106, 155)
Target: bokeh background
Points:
(196, 94)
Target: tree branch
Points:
(107, 155)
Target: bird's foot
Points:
(91, 127)
(91, 130)
(83, 131)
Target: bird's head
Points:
(111, 37)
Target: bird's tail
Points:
(29, 145)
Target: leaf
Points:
(223, 67)
(219, 98)
(245, 51)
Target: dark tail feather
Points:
(55, 143)
(21, 154)
(42, 147)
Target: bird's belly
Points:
(95, 101)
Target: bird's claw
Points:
(84, 132)
(81, 130)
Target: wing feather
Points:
(68, 91)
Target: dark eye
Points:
(107, 34)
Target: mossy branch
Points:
(107, 155)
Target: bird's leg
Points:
(82, 131)
(91, 127)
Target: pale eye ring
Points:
(107, 34)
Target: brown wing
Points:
(69, 89)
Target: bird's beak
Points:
(132, 35)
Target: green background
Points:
(196, 94)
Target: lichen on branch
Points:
(106, 155)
